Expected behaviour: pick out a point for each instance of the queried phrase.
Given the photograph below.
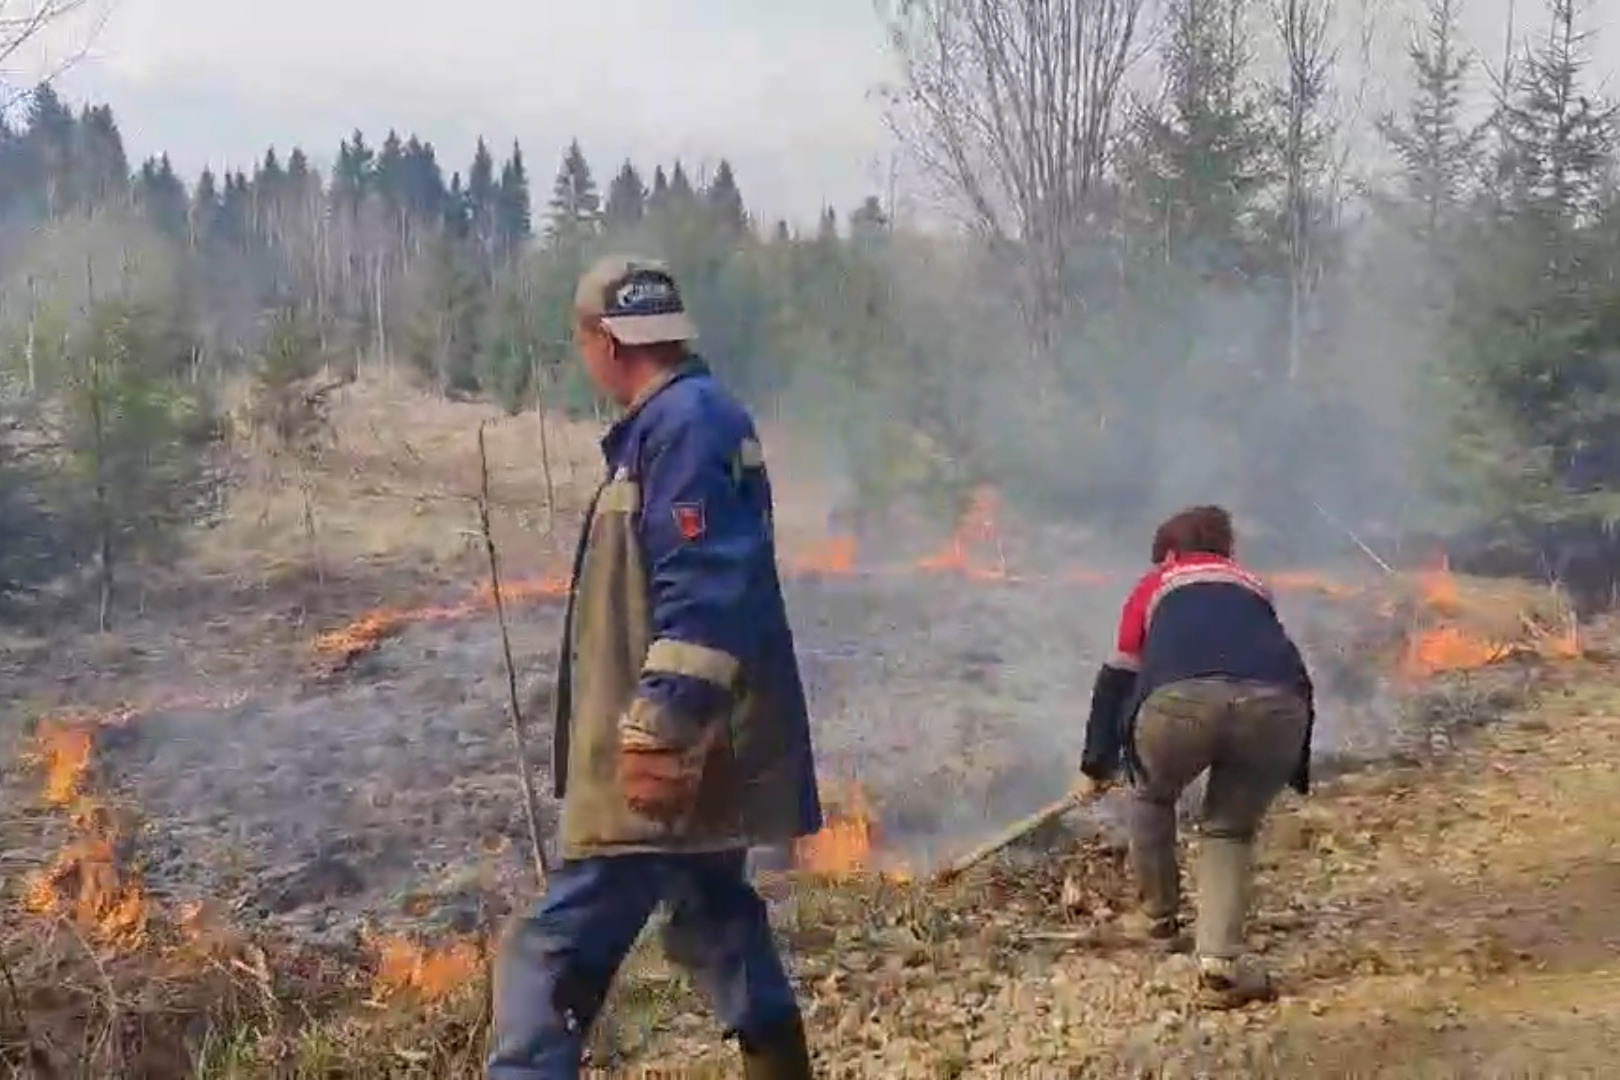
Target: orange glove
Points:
(662, 782)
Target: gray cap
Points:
(636, 299)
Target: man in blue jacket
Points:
(681, 734)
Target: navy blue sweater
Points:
(1200, 616)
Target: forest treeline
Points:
(1199, 292)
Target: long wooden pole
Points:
(1010, 835)
(531, 802)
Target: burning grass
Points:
(336, 649)
(1024, 964)
(1466, 624)
(113, 979)
(194, 997)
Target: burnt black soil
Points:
(387, 793)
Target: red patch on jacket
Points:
(689, 520)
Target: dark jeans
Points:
(555, 965)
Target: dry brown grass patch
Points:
(397, 487)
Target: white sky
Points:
(785, 88)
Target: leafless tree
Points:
(23, 21)
(1010, 105)
(1309, 55)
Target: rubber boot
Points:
(1164, 934)
(1225, 876)
(1232, 984)
(780, 1053)
(1227, 979)
(1158, 877)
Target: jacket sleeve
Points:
(1105, 731)
(1114, 685)
(700, 539)
(1301, 780)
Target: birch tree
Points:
(23, 22)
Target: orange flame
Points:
(848, 843)
(373, 628)
(1450, 646)
(1305, 581)
(549, 587)
(364, 634)
(430, 974)
(64, 752)
(978, 529)
(85, 882)
(833, 557)
(1438, 587)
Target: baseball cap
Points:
(636, 299)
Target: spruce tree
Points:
(574, 212)
(725, 201)
(658, 197)
(868, 223)
(515, 225)
(626, 200)
(1438, 152)
(681, 194)
(482, 199)
(1557, 138)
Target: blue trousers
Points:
(554, 967)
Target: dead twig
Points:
(531, 804)
(114, 1010)
(38, 1059)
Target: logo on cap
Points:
(645, 293)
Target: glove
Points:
(1089, 788)
(661, 780)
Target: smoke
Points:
(1148, 402)
(1161, 387)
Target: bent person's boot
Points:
(1231, 984)
(779, 1053)
(1158, 932)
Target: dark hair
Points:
(1202, 529)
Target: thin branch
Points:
(18, 28)
(531, 803)
(37, 1057)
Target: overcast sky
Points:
(782, 87)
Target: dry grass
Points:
(395, 492)
(397, 489)
(1426, 919)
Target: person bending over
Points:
(1204, 677)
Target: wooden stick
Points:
(531, 803)
(1011, 834)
